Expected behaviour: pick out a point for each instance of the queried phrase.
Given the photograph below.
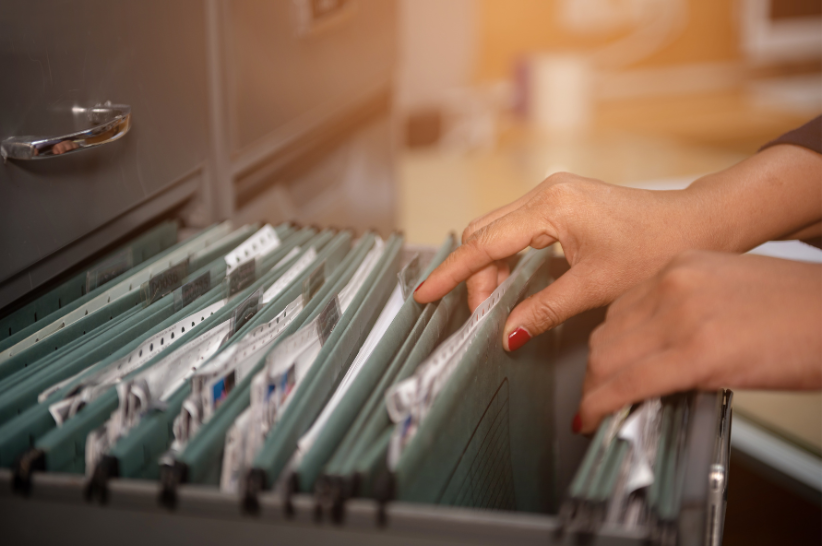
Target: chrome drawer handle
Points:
(110, 122)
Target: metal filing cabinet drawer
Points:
(292, 60)
(57, 58)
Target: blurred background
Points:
(495, 95)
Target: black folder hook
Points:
(338, 497)
(254, 485)
(386, 490)
(31, 461)
(171, 475)
(108, 467)
(292, 485)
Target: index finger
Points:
(498, 240)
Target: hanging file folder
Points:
(332, 361)
(138, 452)
(199, 459)
(102, 272)
(340, 420)
(65, 447)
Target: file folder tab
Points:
(164, 283)
(327, 319)
(246, 311)
(192, 290)
(314, 282)
(241, 277)
(111, 268)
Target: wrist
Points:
(766, 197)
(713, 222)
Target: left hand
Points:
(708, 320)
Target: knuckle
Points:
(678, 278)
(552, 179)
(564, 193)
(561, 187)
(545, 313)
(480, 241)
(469, 230)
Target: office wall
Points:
(703, 31)
(438, 49)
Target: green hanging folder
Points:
(25, 392)
(66, 445)
(12, 380)
(446, 316)
(108, 312)
(580, 485)
(373, 370)
(152, 436)
(351, 468)
(479, 445)
(665, 434)
(20, 434)
(91, 301)
(328, 368)
(200, 460)
(136, 455)
(216, 273)
(33, 357)
(101, 272)
(354, 433)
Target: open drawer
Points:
(493, 468)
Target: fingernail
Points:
(419, 286)
(576, 424)
(518, 338)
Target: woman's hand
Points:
(708, 320)
(615, 237)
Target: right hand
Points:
(613, 237)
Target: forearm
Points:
(773, 195)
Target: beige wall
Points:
(511, 28)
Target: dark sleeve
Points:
(808, 136)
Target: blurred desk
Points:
(631, 141)
(443, 190)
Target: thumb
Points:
(571, 294)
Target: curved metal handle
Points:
(109, 123)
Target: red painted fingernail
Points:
(518, 338)
(576, 424)
(419, 286)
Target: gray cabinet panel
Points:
(54, 55)
(278, 74)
